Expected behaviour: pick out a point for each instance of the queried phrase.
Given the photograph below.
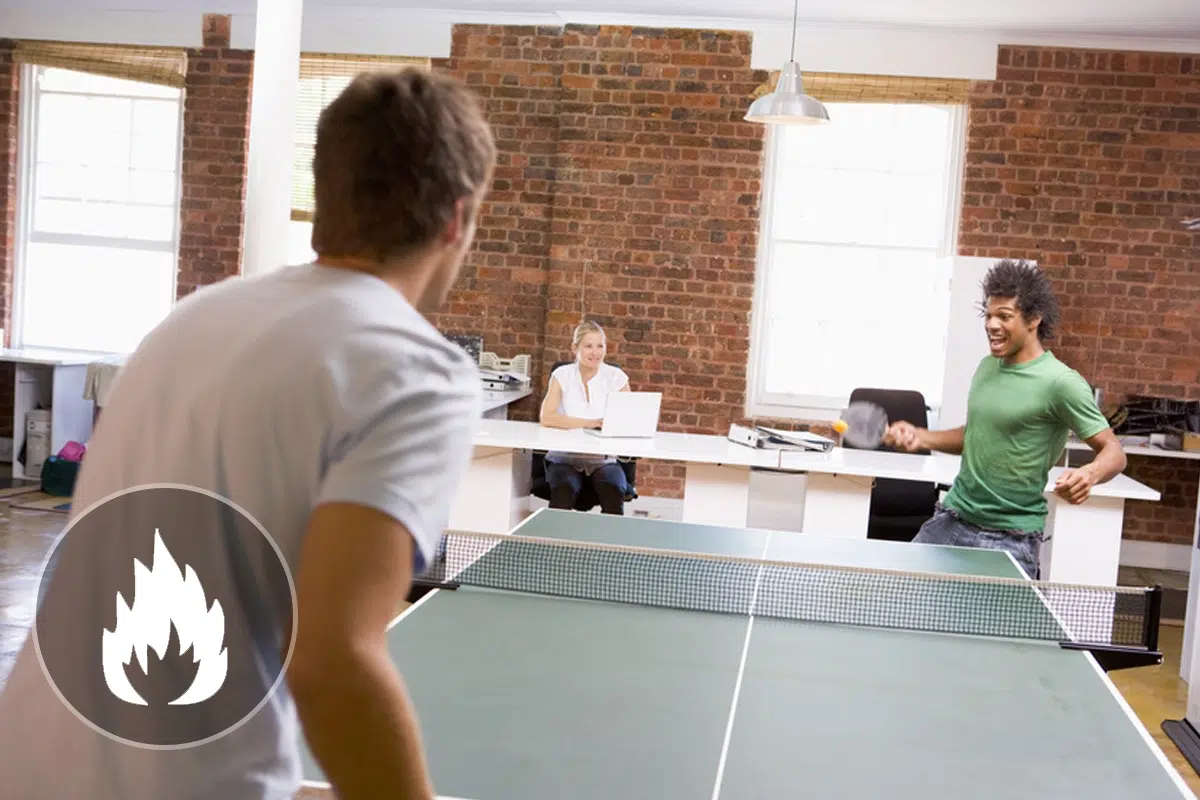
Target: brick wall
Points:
(627, 191)
(216, 129)
(9, 105)
(1087, 161)
(655, 217)
(501, 292)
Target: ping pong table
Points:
(586, 656)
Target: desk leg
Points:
(493, 496)
(70, 414)
(1085, 541)
(715, 494)
(1085, 547)
(33, 384)
(837, 505)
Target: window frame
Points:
(27, 128)
(763, 404)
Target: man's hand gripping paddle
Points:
(863, 425)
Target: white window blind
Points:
(857, 239)
(323, 76)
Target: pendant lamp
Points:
(788, 104)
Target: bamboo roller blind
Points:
(832, 87)
(163, 66)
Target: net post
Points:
(1153, 616)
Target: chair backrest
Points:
(901, 405)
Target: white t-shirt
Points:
(591, 404)
(278, 392)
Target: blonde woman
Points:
(576, 398)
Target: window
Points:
(100, 185)
(858, 233)
(300, 242)
(322, 78)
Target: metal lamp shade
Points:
(788, 104)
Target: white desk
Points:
(53, 379)
(1085, 544)
(494, 495)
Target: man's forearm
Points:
(363, 731)
(947, 441)
(1108, 463)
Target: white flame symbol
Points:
(161, 596)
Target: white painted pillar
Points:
(272, 135)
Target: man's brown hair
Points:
(394, 152)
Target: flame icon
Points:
(166, 596)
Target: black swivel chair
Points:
(587, 499)
(899, 507)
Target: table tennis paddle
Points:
(862, 425)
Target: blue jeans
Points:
(567, 481)
(947, 527)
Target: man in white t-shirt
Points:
(318, 399)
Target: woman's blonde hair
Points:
(583, 329)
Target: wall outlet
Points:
(6, 449)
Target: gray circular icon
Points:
(165, 616)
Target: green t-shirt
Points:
(1018, 419)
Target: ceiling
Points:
(1173, 19)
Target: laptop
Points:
(631, 415)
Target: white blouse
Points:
(591, 404)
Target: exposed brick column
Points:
(216, 130)
(501, 293)
(9, 111)
(657, 195)
(9, 106)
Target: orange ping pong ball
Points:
(840, 426)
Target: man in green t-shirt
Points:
(1023, 404)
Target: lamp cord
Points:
(795, 20)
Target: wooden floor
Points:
(1154, 693)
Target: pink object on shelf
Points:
(72, 451)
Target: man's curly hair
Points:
(1031, 288)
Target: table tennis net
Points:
(956, 604)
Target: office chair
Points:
(899, 507)
(586, 500)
